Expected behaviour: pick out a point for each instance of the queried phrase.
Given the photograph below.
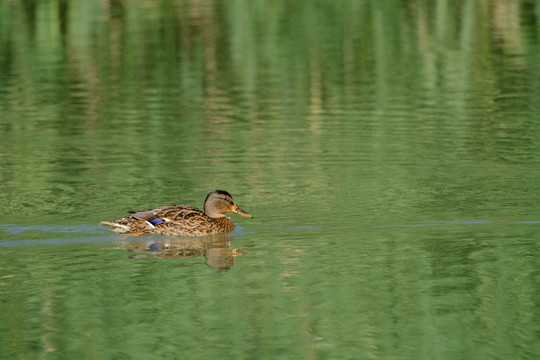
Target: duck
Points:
(182, 220)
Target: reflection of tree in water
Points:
(216, 249)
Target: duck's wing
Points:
(150, 214)
(189, 221)
(179, 212)
(168, 213)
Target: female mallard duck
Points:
(180, 219)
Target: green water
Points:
(388, 151)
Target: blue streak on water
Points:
(107, 236)
(439, 223)
(239, 231)
(11, 228)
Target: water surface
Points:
(389, 154)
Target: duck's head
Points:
(219, 202)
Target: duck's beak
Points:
(239, 211)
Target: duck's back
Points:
(181, 220)
(179, 212)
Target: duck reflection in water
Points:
(216, 249)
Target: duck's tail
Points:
(116, 227)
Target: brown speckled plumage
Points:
(180, 219)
